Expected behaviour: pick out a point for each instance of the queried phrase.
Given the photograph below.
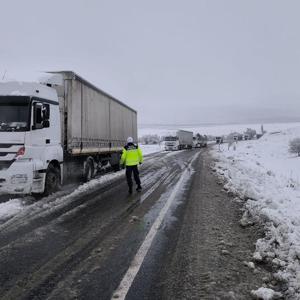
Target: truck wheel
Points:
(88, 171)
(52, 182)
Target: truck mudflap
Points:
(18, 178)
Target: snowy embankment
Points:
(264, 174)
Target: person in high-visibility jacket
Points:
(131, 157)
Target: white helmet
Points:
(130, 140)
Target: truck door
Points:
(39, 136)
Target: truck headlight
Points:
(19, 178)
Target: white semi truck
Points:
(181, 140)
(60, 128)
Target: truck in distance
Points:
(219, 140)
(63, 127)
(182, 140)
(200, 141)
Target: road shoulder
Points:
(213, 253)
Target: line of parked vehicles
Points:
(183, 139)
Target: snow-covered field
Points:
(214, 130)
(264, 174)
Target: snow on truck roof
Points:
(31, 89)
(41, 90)
(71, 75)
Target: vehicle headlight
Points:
(19, 178)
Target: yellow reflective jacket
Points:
(132, 155)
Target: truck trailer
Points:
(182, 140)
(57, 129)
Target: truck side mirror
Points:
(46, 124)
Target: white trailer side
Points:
(95, 125)
(95, 122)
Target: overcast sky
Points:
(175, 61)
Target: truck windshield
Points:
(170, 138)
(14, 113)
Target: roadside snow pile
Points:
(149, 149)
(267, 177)
(265, 294)
(10, 208)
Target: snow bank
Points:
(267, 176)
(265, 294)
(10, 208)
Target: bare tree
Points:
(250, 133)
(295, 146)
(149, 139)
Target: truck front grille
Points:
(10, 145)
(5, 164)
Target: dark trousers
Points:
(135, 171)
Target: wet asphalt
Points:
(81, 248)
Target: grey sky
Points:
(174, 61)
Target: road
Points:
(178, 239)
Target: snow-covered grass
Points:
(149, 149)
(267, 177)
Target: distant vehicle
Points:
(234, 136)
(200, 142)
(61, 128)
(182, 140)
(219, 140)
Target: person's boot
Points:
(130, 190)
(139, 188)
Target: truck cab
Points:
(171, 143)
(31, 154)
(219, 140)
